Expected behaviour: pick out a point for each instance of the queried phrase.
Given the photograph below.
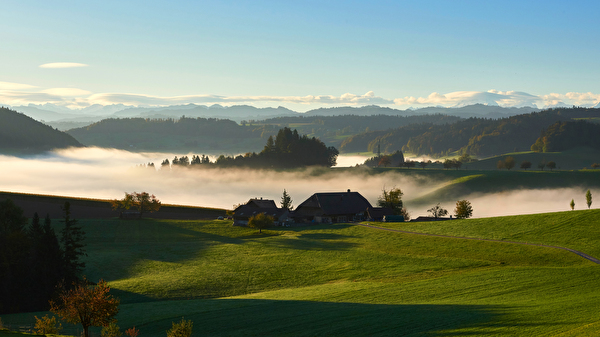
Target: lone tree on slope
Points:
(463, 209)
(572, 204)
(87, 305)
(437, 211)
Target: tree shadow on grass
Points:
(314, 241)
(247, 317)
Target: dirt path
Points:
(584, 255)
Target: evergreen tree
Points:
(73, 247)
(51, 271)
(14, 257)
(588, 198)
(286, 201)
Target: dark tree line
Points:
(287, 150)
(32, 261)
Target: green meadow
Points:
(344, 279)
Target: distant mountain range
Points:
(64, 119)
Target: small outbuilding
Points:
(242, 213)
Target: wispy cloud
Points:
(14, 86)
(139, 99)
(63, 65)
(67, 92)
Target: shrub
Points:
(111, 330)
(132, 332)
(181, 329)
(46, 325)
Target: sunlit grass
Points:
(346, 279)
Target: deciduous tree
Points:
(551, 165)
(143, 202)
(391, 199)
(525, 165)
(181, 329)
(260, 221)
(437, 211)
(385, 161)
(509, 162)
(86, 304)
(463, 209)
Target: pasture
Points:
(345, 279)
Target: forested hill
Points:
(562, 136)
(209, 135)
(20, 134)
(475, 136)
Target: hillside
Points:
(475, 136)
(178, 135)
(20, 134)
(231, 281)
(562, 136)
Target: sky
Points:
(301, 54)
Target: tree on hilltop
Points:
(142, 201)
(463, 209)
(588, 198)
(525, 165)
(437, 211)
(509, 162)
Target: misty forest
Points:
(235, 219)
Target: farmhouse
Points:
(332, 207)
(242, 213)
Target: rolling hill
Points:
(346, 279)
(20, 134)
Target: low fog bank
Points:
(529, 201)
(108, 174)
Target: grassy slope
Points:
(462, 183)
(573, 159)
(344, 279)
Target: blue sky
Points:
(302, 55)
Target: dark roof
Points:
(246, 211)
(429, 218)
(337, 203)
(379, 212)
(260, 203)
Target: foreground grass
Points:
(349, 280)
